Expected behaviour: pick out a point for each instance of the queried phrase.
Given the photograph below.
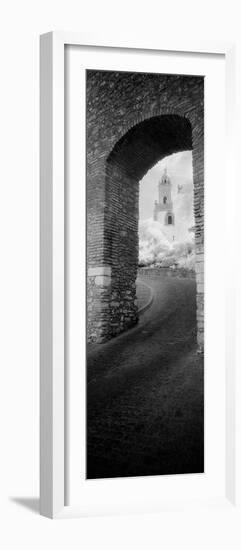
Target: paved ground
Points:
(145, 391)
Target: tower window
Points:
(164, 200)
(169, 220)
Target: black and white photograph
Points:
(121, 275)
(145, 274)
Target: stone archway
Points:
(133, 121)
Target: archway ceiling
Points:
(150, 141)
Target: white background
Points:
(21, 22)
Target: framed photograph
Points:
(138, 199)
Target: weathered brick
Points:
(133, 121)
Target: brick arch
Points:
(155, 110)
(133, 155)
(133, 121)
(150, 140)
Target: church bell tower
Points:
(164, 192)
(163, 208)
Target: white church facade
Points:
(174, 210)
(163, 208)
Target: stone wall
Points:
(133, 121)
(150, 272)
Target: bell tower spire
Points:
(163, 208)
(165, 192)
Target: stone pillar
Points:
(121, 245)
(98, 303)
(98, 269)
(198, 180)
(200, 297)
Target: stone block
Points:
(103, 280)
(200, 277)
(200, 288)
(199, 267)
(102, 270)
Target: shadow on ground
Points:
(28, 502)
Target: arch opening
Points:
(165, 236)
(149, 141)
(131, 158)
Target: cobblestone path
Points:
(145, 391)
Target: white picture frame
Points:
(52, 261)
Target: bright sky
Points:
(179, 168)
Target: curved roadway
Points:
(145, 391)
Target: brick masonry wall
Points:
(133, 121)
